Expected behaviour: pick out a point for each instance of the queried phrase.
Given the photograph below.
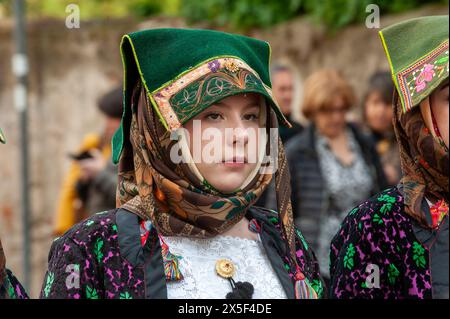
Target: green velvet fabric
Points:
(417, 50)
(158, 57)
(163, 54)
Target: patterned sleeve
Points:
(70, 273)
(11, 288)
(362, 263)
(346, 265)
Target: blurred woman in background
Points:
(377, 118)
(333, 165)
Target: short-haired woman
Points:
(333, 165)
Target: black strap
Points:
(149, 257)
(274, 247)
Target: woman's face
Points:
(439, 106)
(330, 121)
(379, 114)
(234, 122)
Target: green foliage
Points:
(246, 14)
(240, 14)
(94, 9)
(237, 15)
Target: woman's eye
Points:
(251, 117)
(213, 116)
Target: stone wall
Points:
(71, 69)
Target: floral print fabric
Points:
(378, 237)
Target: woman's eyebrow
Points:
(248, 105)
(252, 105)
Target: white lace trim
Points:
(198, 262)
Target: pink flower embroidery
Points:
(425, 76)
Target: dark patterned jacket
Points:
(377, 239)
(102, 257)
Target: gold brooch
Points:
(231, 66)
(225, 268)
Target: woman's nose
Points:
(240, 135)
(238, 131)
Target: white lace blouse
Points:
(198, 262)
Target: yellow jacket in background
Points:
(69, 206)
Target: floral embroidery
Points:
(98, 250)
(11, 293)
(300, 235)
(125, 295)
(418, 255)
(426, 75)
(199, 95)
(164, 96)
(231, 66)
(49, 283)
(354, 210)
(91, 293)
(419, 79)
(377, 219)
(388, 202)
(89, 223)
(393, 274)
(348, 258)
(214, 65)
(392, 246)
(317, 286)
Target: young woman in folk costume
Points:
(395, 245)
(189, 229)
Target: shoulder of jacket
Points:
(91, 229)
(377, 213)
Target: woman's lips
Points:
(234, 165)
(235, 162)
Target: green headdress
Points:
(417, 51)
(184, 71)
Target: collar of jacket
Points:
(307, 142)
(150, 256)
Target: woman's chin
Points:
(228, 184)
(228, 178)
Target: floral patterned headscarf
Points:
(171, 195)
(424, 159)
